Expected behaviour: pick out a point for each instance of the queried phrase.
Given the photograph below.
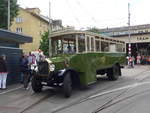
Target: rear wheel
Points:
(67, 85)
(113, 73)
(36, 85)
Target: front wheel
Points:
(67, 85)
(36, 85)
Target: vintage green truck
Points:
(79, 69)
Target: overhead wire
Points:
(86, 11)
(92, 17)
(73, 13)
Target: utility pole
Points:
(8, 18)
(50, 29)
(129, 35)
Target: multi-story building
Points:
(139, 38)
(30, 22)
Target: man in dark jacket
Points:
(3, 72)
(25, 70)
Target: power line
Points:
(92, 18)
(87, 13)
(73, 13)
(96, 21)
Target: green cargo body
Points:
(88, 63)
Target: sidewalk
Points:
(11, 88)
(15, 98)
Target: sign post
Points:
(130, 60)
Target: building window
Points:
(19, 20)
(19, 30)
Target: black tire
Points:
(36, 85)
(67, 85)
(113, 73)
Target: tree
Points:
(14, 8)
(44, 43)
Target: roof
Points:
(136, 27)
(132, 34)
(15, 37)
(72, 31)
(33, 8)
(44, 17)
(41, 17)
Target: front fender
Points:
(59, 78)
(61, 72)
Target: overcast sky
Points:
(90, 13)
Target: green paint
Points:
(88, 63)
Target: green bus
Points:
(77, 58)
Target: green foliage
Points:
(44, 43)
(14, 8)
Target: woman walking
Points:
(3, 72)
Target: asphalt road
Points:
(129, 94)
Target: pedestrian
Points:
(132, 61)
(30, 58)
(31, 64)
(127, 59)
(3, 72)
(142, 59)
(25, 70)
(138, 59)
(21, 69)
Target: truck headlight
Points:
(52, 67)
(34, 67)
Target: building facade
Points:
(139, 38)
(30, 22)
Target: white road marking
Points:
(118, 89)
(10, 90)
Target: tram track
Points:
(111, 103)
(89, 97)
(82, 99)
(25, 109)
(53, 94)
(49, 96)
